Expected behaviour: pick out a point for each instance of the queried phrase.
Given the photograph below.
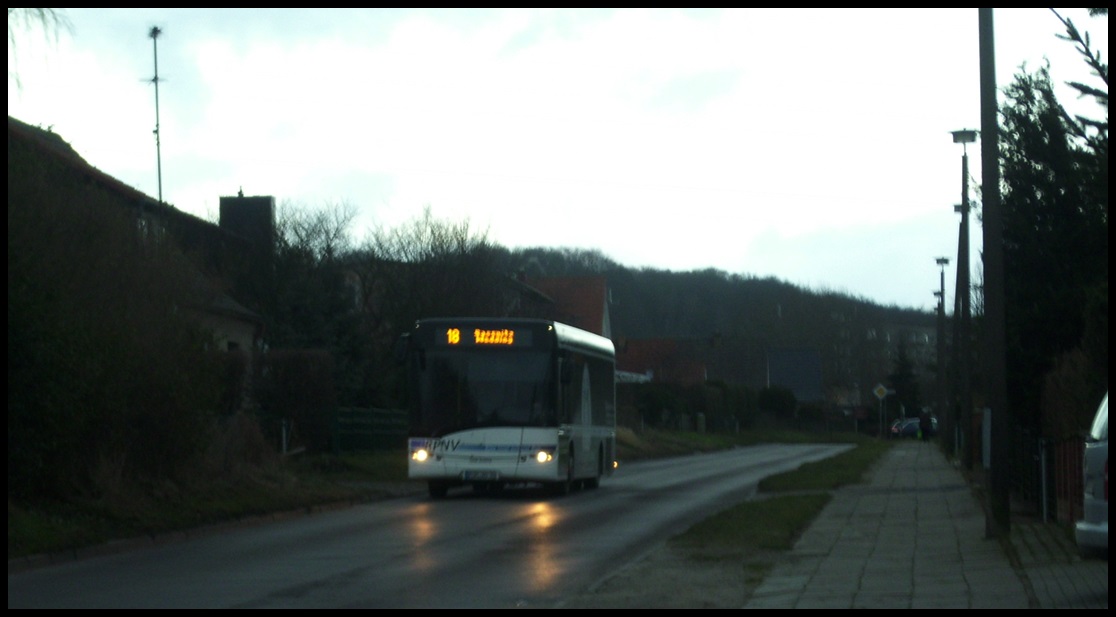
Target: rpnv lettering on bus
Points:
(499, 402)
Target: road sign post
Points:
(881, 393)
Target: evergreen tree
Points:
(1055, 224)
(905, 383)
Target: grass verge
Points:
(299, 484)
(774, 522)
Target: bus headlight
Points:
(542, 456)
(420, 455)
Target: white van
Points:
(1091, 532)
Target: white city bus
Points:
(499, 402)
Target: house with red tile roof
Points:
(579, 301)
(662, 360)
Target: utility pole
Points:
(999, 523)
(154, 34)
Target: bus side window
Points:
(573, 367)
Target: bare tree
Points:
(429, 266)
(50, 20)
(322, 234)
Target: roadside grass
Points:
(299, 484)
(657, 443)
(787, 504)
(33, 530)
(845, 468)
(304, 483)
(770, 524)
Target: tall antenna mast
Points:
(154, 34)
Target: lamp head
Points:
(964, 136)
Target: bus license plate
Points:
(474, 475)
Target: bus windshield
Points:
(485, 388)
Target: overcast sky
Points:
(811, 145)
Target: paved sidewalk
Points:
(914, 537)
(1058, 577)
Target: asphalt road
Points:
(518, 548)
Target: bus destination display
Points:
(483, 337)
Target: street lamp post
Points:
(943, 398)
(962, 318)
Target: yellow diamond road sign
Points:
(880, 391)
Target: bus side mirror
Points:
(402, 350)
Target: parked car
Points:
(1091, 532)
(908, 427)
(902, 426)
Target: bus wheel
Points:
(438, 490)
(595, 481)
(563, 487)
